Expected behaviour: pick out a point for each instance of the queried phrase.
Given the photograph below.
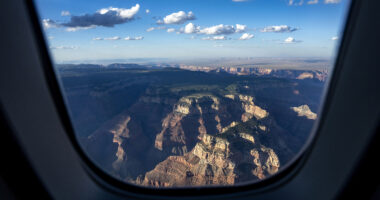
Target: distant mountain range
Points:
(320, 74)
(190, 126)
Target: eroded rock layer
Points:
(173, 128)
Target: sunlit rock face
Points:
(207, 163)
(174, 128)
(304, 111)
(305, 75)
(203, 107)
(265, 167)
(251, 109)
(212, 161)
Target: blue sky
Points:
(122, 29)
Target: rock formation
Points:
(304, 111)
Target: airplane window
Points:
(194, 92)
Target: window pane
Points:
(194, 92)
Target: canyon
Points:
(176, 127)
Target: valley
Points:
(182, 126)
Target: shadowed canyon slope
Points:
(171, 127)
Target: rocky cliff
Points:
(173, 128)
(216, 158)
(304, 111)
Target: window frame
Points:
(117, 189)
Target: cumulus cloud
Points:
(177, 18)
(190, 28)
(222, 37)
(335, 38)
(106, 17)
(291, 40)
(240, 28)
(332, 1)
(312, 2)
(246, 36)
(171, 30)
(156, 28)
(48, 23)
(279, 29)
(134, 38)
(63, 47)
(218, 30)
(147, 11)
(65, 13)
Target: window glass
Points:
(195, 92)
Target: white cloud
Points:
(279, 29)
(218, 30)
(246, 36)
(63, 47)
(51, 37)
(240, 28)
(48, 23)
(177, 18)
(190, 28)
(73, 29)
(240, 0)
(65, 13)
(107, 17)
(332, 1)
(291, 40)
(335, 38)
(147, 11)
(97, 38)
(113, 38)
(134, 38)
(121, 12)
(222, 37)
(312, 2)
(171, 30)
(156, 28)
